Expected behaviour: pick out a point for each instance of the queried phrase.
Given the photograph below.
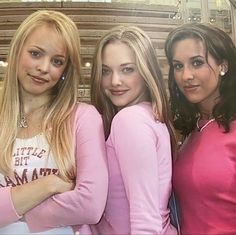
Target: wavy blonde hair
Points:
(148, 67)
(57, 118)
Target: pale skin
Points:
(121, 80)
(197, 79)
(42, 63)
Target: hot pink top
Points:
(139, 160)
(205, 182)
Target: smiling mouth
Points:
(190, 88)
(118, 92)
(38, 79)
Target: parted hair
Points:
(220, 46)
(148, 67)
(57, 122)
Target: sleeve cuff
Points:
(8, 212)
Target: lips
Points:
(190, 88)
(38, 79)
(118, 92)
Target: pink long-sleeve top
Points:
(204, 179)
(84, 204)
(139, 162)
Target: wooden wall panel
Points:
(92, 20)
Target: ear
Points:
(224, 67)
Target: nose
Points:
(43, 65)
(116, 79)
(187, 73)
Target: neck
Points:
(30, 102)
(28, 105)
(205, 113)
(27, 109)
(206, 116)
(31, 110)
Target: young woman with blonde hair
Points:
(52, 164)
(128, 90)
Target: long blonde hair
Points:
(57, 122)
(148, 67)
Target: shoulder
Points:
(135, 113)
(84, 112)
(137, 118)
(84, 109)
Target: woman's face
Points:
(121, 80)
(196, 78)
(42, 61)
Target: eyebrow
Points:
(103, 65)
(129, 63)
(191, 58)
(122, 65)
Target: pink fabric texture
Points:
(204, 181)
(139, 162)
(84, 204)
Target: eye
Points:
(127, 70)
(105, 71)
(197, 63)
(34, 53)
(58, 62)
(177, 66)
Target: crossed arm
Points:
(49, 202)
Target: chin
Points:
(120, 106)
(194, 100)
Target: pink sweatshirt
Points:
(84, 204)
(139, 161)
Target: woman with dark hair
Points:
(202, 83)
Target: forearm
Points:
(83, 205)
(15, 201)
(27, 196)
(8, 213)
(86, 202)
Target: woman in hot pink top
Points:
(202, 83)
(128, 90)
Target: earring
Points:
(63, 77)
(222, 73)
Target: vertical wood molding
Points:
(233, 19)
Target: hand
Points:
(59, 185)
(39, 190)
